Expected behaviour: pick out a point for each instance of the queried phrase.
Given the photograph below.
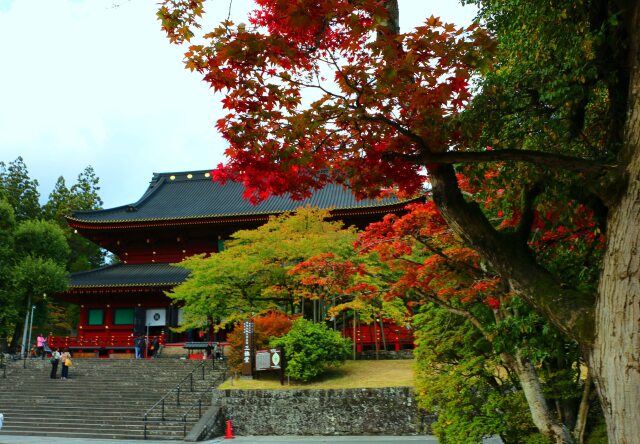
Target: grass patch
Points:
(353, 374)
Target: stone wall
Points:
(384, 411)
(370, 355)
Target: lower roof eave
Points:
(75, 294)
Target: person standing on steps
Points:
(55, 360)
(65, 359)
(153, 350)
(139, 344)
(40, 345)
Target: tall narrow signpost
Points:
(248, 350)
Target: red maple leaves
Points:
(289, 129)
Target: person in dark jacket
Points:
(139, 344)
(153, 349)
(55, 360)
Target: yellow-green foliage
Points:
(250, 275)
(456, 379)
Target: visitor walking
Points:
(55, 360)
(65, 359)
(139, 344)
(40, 345)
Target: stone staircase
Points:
(106, 398)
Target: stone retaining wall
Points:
(385, 354)
(384, 411)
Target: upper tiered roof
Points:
(193, 195)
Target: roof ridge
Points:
(168, 173)
(196, 197)
(93, 270)
(154, 186)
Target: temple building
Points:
(179, 215)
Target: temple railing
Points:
(97, 341)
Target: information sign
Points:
(272, 359)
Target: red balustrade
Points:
(97, 341)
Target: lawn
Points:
(353, 374)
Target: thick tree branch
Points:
(459, 312)
(569, 310)
(527, 211)
(398, 127)
(548, 160)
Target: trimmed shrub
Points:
(311, 349)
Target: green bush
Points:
(310, 349)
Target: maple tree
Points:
(250, 275)
(560, 114)
(417, 259)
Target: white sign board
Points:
(156, 317)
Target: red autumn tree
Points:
(417, 259)
(562, 114)
(265, 326)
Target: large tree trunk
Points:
(615, 360)
(540, 414)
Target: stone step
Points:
(167, 424)
(104, 398)
(107, 416)
(161, 435)
(71, 388)
(72, 407)
(112, 418)
(89, 424)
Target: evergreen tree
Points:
(57, 205)
(19, 190)
(82, 196)
(85, 191)
(34, 254)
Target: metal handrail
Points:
(199, 405)
(177, 389)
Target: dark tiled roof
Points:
(129, 275)
(178, 196)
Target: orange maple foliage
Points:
(265, 326)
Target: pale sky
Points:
(96, 82)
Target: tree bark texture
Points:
(615, 360)
(542, 418)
